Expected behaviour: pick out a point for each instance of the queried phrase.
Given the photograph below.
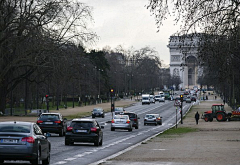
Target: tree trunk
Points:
(3, 93)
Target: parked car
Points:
(98, 112)
(52, 123)
(84, 130)
(121, 122)
(134, 118)
(119, 110)
(152, 119)
(23, 141)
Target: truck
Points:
(217, 111)
(145, 99)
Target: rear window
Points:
(131, 115)
(49, 117)
(121, 117)
(150, 116)
(15, 128)
(118, 109)
(82, 124)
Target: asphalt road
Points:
(114, 142)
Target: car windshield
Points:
(81, 124)
(145, 98)
(15, 128)
(97, 110)
(49, 117)
(157, 96)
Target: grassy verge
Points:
(177, 132)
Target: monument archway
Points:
(191, 62)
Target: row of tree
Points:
(42, 53)
(218, 21)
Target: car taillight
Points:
(69, 128)
(58, 121)
(135, 119)
(93, 129)
(28, 139)
(112, 121)
(128, 121)
(39, 121)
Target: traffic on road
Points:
(91, 141)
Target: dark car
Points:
(98, 112)
(119, 110)
(134, 118)
(84, 130)
(52, 123)
(23, 141)
(193, 98)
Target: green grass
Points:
(172, 132)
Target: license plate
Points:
(81, 130)
(48, 122)
(9, 140)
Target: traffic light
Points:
(112, 92)
(181, 98)
(46, 96)
(112, 107)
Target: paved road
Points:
(114, 141)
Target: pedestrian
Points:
(197, 117)
(224, 101)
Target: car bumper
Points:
(150, 122)
(81, 138)
(121, 126)
(50, 129)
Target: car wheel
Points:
(103, 116)
(112, 129)
(136, 127)
(61, 133)
(97, 142)
(130, 130)
(36, 161)
(46, 161)
(100, 143)
(93, 116)
(145, 124)
(156, 124)
(66, 142)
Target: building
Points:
(184, 59)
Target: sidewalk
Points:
(71, 111)
(213, 143)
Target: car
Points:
(152, 99)
(162, 99)
(23, 141)
(118, 110)
(121, 122)
(98, 112)
(188, 100)
(152, 119)
(193, 98)
(157, 97)
(134, 118)
(52, 123)
(84, 130)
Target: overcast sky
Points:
(129, 23)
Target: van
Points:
(145, 99)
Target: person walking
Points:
(197, 117)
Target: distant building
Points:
(184, 59)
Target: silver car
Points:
(23, 141)
(121, 122)
(152, 119)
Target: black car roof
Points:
(50, 113)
